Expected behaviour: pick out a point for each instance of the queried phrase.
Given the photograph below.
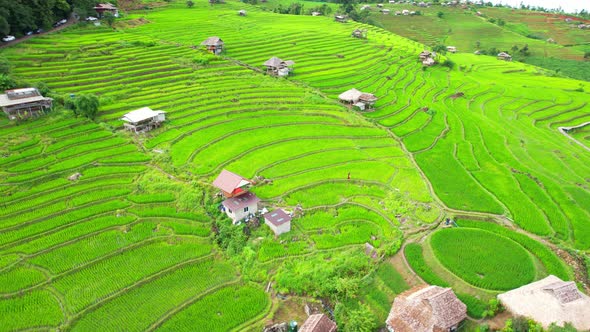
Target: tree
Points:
(440, 14)
(4, 66)
(83, 8)
(109, 18)
(442, 49)
(87, 105)
(190, 4)
(587, 55)
(6, 82)
(360, 320)
(478, 44)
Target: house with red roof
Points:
(231, 184)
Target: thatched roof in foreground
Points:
(550, 300)
(426, 309)
(318, 323)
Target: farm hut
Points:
(231, 184)
(278, 67)
(452, 49)
(359, 99)
(351, 96)
(426, 309)
(278, 221)
(316, 14)
(398, 13)
(380, 5)
(425, 55)
(392, 2)
(504, 56)
(143, 119)
(366, 101)
(412, 13)
(478, 52)
(24, 103)
(428, 62)
(551, 41)
(385, 11)
(340, 18)
(103, 8)
(318, 323)
(365, 7)
(242, 12)
(360, 33)
(568, 20)
(214, 45)
(240, 207)
(550, 300)
(405, 12)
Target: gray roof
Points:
(212, 41)
(21, 96)
(273, 62)
(277, 217)
(241, 201)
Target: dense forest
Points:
(19, 16)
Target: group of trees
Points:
(18, 17)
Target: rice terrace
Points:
(293, 166)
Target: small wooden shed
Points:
(277, 67)
(214, 45)
(359, 33)
(24, 103)
(143, 119)
(504, 56)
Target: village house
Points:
(214, 45)
(363, 101)
(278, 221)
(427, 58)
(426, 309)
(504, 56)
(278, 67)
(452, 49)
(385, 11)
(240, 207)
(318, 323)
(360, 33)
(242, 12)
(340, 18)
(316, 14)
(231, 184)
(103, 8)
(143, 119)
(405, 12)
(550, 300)
(24, 103)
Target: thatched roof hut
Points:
(426, 309)
(213, 44)
(318, 323)
(350, 96)
(276, 66)
(550, 300)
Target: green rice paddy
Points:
(129, 245)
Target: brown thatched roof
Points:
(425, 309)
(273, 62)
(318, 323)
(367, 97)
(550, 300)
(212, 41)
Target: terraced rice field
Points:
(128, 243)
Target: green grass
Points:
(483, 259)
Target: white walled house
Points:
(240, 207)
(278, 221)
(143, 119)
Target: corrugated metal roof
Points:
(228, 181)
(351, 95)
(141, 114)
(236, 203)
(5, 101)
(277, 217)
